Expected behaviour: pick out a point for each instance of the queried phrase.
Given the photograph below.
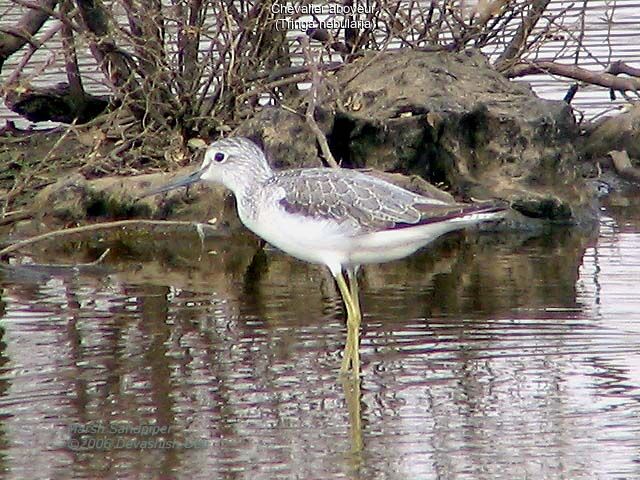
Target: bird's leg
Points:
(352, 275)
(352, 349)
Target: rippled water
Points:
(485, 356)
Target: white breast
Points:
(309, 239)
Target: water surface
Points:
(485, 356)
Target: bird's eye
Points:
(219, 157)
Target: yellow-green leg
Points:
(351, 359)
(353, 289)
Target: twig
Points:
(603, 79)
(12, 217)
(311, 105)
(33, 47)
(513, 50)
(71, 56)
(580, 41)
(90, 228)
(48, 9)
(323, 36)
(56, 268)
(288, 71)
(97, 260)
(270, 86)
(618, 67)
(623, 166)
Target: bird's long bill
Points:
(175, 183)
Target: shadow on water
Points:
(485, 356)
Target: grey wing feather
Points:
(367, 203)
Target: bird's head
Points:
(233, 162)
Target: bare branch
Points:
(618, 67)
(623, 166)
(70, 56)
(33, 47)
(311, 105)
(91, 228)
(603, 79)
(13, 39)
(518, 42)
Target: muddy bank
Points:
(432, 122)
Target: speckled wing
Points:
(364, 203)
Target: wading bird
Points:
(337, 217)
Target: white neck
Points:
(244, 177)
